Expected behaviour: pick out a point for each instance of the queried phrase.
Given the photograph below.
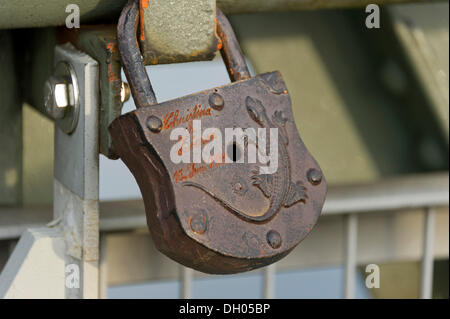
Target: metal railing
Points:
(425, 192)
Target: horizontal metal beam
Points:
(250, 6)
(425, 190)
(416, 191)
(38, 13)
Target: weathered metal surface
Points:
(38, 13)
(231, 50)
(132, 61)
(177, 31)
(36, 66)
(218, 217)
(10, 125)
(199, 214)
(100, 43)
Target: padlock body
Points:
(223, 217)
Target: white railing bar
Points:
(351, 221)
(187, 275)
(426, 282)
(269, 281)
(403, 192)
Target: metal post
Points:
(350, 255)
(186, 282)
(269, 281)
(60, 259)
(426, 282)
(75, 200)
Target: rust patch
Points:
(112, 76)
(143, 4)
(112, 47)
(219, 40)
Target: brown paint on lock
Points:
(143, 4)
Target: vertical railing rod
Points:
(426, 282)
(269, 281)
(351, 221)
(186, 282)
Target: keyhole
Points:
(234, 152)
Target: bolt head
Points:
(154, 124)
(198, 223)
(274, 239)
(57, 97)
(216, 101)
(314, 176)
(124, 92)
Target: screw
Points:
(154, 124)
(314, 176)
(216, 101)
(273, 239)
(124, 92)
(58, 97)
(198, 223)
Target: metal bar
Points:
(426, 280)
(186, 282)
(32, 13)
(75, 200)
(269, 281)
(252, 6)
(350, 255)
(413, 191)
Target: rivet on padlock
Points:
(218, 217)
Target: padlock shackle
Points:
(231, 50)
(133, 63)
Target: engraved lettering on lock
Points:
(174, 119)
(192, 169)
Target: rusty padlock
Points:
(217, 216)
